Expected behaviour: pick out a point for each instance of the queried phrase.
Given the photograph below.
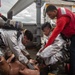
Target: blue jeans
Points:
(72, 56)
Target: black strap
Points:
(1, 42)
(64, 37)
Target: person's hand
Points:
(11, 58)
(32, 61)
(41, 50)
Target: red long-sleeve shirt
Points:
(61, 23)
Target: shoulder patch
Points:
(63, 11)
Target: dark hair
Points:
(46, 24)
(29, 35)
(51, 8)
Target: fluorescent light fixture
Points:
(69, 0)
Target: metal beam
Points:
(20, 5)
(38, 20)
(9, 15)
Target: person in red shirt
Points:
(66, 26)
